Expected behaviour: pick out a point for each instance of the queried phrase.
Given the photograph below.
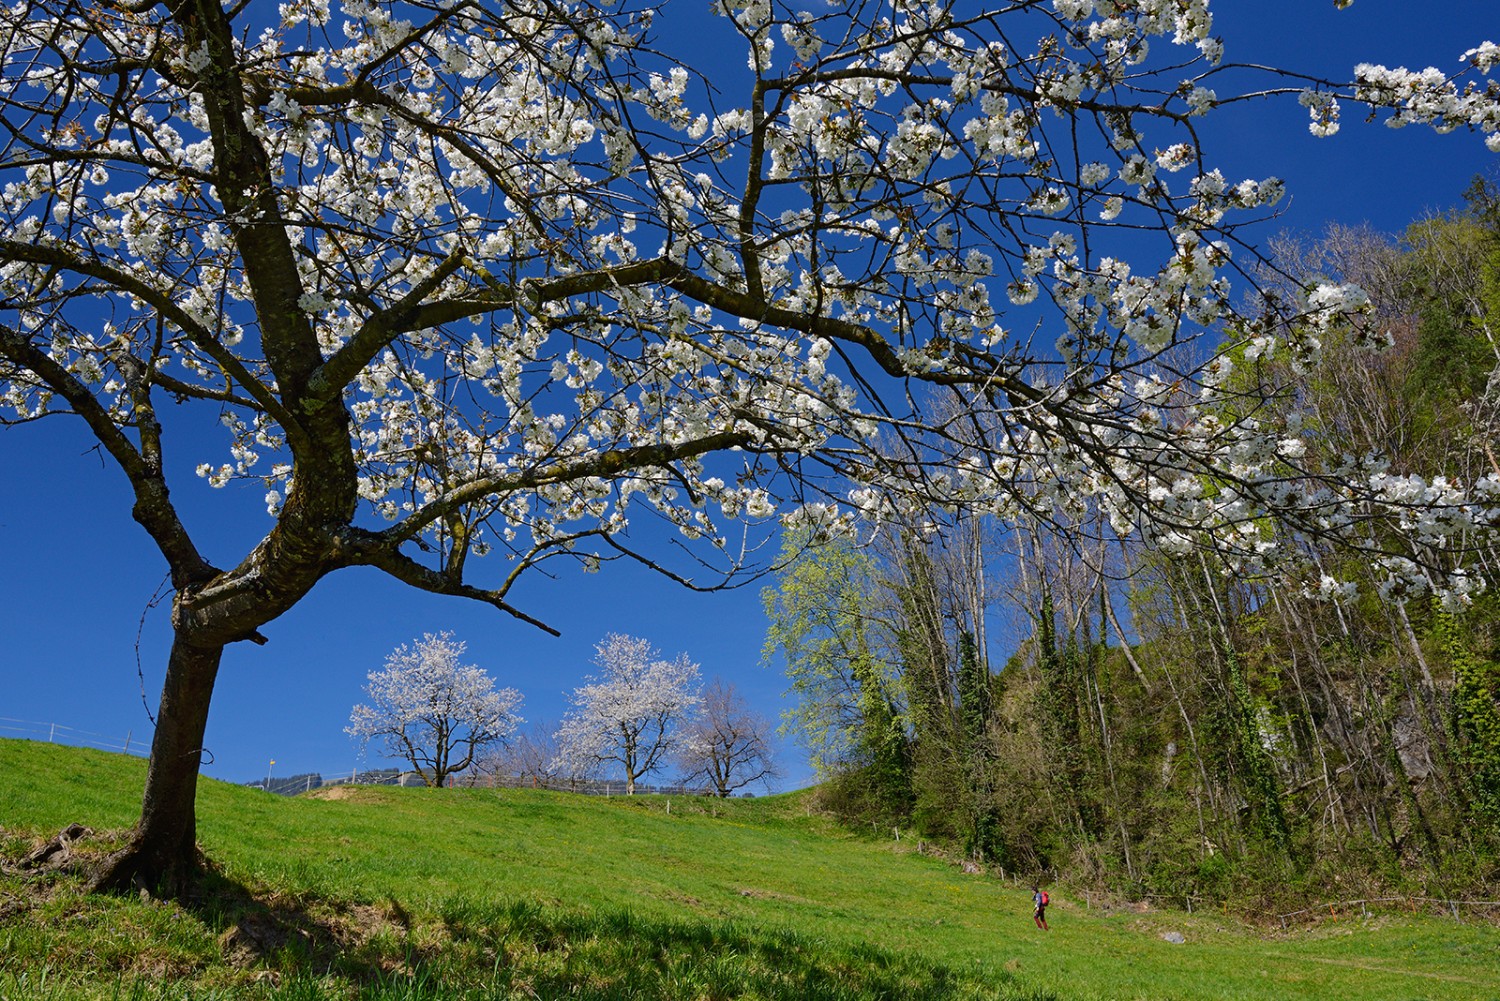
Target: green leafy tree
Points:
(846, 710)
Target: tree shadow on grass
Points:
(614, 955)
(294, 936)
(480, 950)
(283, 934)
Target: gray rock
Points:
(1174, 937)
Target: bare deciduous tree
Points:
(727, 745)
(527, 758)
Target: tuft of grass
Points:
(380, 893)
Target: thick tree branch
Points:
(600, 464)
(186, 390)
(249, 192)
(374, 335)
(981, 370)
(740, 304)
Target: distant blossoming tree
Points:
(433, 711)
(450, 277)
(630, 715)
(727, 745)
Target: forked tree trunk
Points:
(162, 857)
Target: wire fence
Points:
(1430, 905)
(1456, 908)
(585, 786)
(305, 782)
(1328, 910)
(60, 733)
(139, 745)
(293, 784)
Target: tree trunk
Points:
(162, 858)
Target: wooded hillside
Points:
(1161, 724)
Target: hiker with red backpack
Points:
(1040, 898)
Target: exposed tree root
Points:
(136, 869)
(252, 928)
(133, 868)
(56, 853)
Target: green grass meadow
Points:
(380, 893)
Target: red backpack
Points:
(1045, 899)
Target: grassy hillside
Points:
(385, 893)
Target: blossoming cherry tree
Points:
(454, 278)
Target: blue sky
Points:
(79, 573)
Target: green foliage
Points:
(1451, 362)
(974, 701)
(1260, 784)
(843, 706)
(1476, 717)
(881, 742)
(1062, 699)
(922, 645)
(1452, 273)
(938, 772)
(940, 808)
(1258, 743)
